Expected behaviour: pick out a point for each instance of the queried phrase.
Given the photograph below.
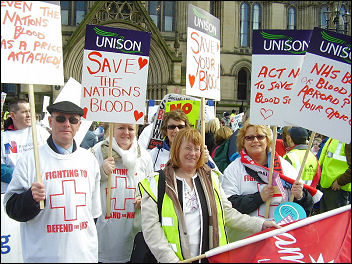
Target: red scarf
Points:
(263, 173)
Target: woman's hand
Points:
(137, 202)
(268, 224)
(38, 191)
(108, 165)
(267, 193)
(297, 190)
(206, 154)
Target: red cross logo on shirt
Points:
(69, 201)
(122, 194)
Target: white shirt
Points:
(16, 142)
(64, 231)
(116, 235)
(192, 214)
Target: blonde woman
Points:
(210, 128)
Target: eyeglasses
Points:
(190, 149)
(251, 138)
(172, 127)
(62, 119)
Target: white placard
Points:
(203, 54)
(276, 61)
(322, 99)
(114, 74)
(31, 43)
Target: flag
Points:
(320, 238)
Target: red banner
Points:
(325, 240)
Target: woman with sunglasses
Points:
(129, 164)
(245, 179)
(173, 122)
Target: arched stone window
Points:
(242, 85)
(291, 18)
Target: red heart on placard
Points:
(266, 113)
(85, 111)
(142, 62)
(191, 78)
(137, 115)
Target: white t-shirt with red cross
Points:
(64, 231)
(116, 234)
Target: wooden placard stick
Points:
(108, 195)
(272, 156)
(202, 122)
(34, 138)
(312, 136)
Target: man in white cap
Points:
(64, 231)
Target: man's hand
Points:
(38, 192)
(335, 186)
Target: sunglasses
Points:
(172, 127)
(251, 138)
(62, 119)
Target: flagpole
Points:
(275, 232)
(272, 156)
(312, 136)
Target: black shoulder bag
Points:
(141, 252)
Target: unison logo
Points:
(335, 46)
(116, 41)
(273, 42)
(201, 22)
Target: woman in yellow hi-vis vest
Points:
(194, 208)
(335, 180)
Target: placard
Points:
(322, 98)
(203, 54)
(189, 107)
(31, 42)
(114, 74)
(156, 138)
(276, 61)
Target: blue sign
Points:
(289, 210)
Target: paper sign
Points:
(46, 102)
(189, 107)
(157, 137)
(3, 97)
(235, 120)
(203, 54)
(114, 74)
(31, 43)
(276, 61)
(322, 98)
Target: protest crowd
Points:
(101, 178)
